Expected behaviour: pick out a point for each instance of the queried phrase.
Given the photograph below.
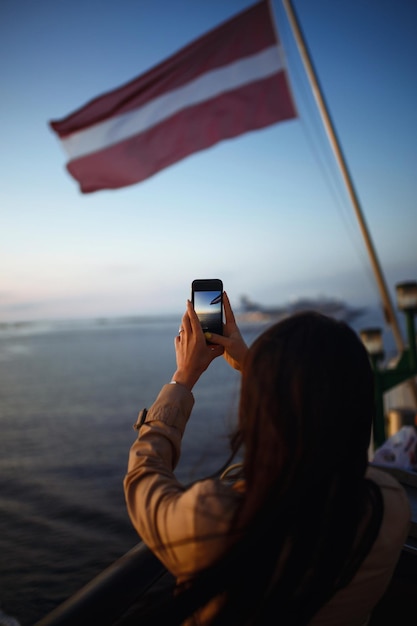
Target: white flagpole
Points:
(388, 308)
(386, 300)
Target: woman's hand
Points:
(232, 341)
(193, 353)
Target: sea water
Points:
(69, 395)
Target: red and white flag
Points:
(229, 81)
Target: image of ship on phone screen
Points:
(207, 298)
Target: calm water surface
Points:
(70, 393)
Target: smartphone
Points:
(207, 299)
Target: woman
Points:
(306, 532)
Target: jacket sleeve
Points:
(185, 527)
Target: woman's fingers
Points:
(217, 339)
(228, 312)
(186, 319)
(192, 317)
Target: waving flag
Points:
(229, 81)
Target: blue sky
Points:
(266, 212)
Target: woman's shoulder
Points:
(384, 479)
(397, 508)
(392, 490)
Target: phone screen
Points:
(207, 297)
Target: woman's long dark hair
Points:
(309, 516)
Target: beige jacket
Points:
(186, 528)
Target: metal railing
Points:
(108, 596)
